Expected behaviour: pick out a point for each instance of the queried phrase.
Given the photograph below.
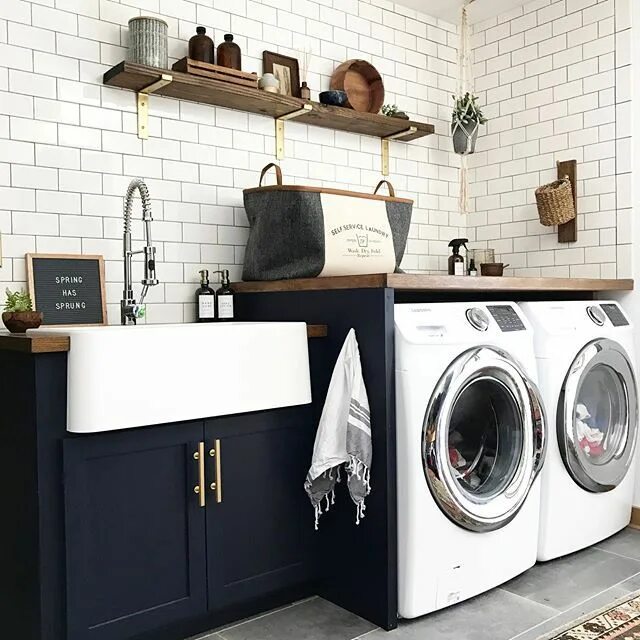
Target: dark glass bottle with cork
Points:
(201, 47)
(229, 54)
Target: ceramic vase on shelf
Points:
(269, 83)
(148, 42)
(201, 47)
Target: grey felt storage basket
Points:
(308, 232)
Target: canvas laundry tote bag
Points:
(307, 232)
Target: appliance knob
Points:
(478, 319)
(596, 314)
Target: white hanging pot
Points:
(465, 136)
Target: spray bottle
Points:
(456, 261)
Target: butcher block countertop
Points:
(440, 283)
(36, 341)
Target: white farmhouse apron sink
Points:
(124, 377)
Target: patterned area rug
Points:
(617, 621)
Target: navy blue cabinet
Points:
(135, 533)
(145, 551)
(259, 520)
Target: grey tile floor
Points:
(544, 598)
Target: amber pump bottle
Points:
(456, 261)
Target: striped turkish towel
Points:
(343, 436)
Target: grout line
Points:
(364, 635)
(264, 615)
(615, 553)
(529, 600)
(595, 595)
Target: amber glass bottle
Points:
(229, 53)
(201, 47)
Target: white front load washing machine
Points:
(471, 440)
(586, 369)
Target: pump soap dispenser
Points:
(225, 297)
(205, 299)
(456, 261)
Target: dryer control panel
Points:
(615, 315)
(506, 318)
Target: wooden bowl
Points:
(19, 322)
(492, 268)
(362, 84)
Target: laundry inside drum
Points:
(485, 438)
(600, 414)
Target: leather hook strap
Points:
(272, 165)
(392, 191)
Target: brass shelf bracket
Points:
(280, 127)
(385, 146)
(143, 103)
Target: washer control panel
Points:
(615, 315)
(506, 318)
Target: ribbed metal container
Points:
(148, 42)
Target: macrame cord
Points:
(465, 84)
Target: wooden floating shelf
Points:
(417, 282)
(143, 79)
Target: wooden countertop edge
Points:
(415, 282)
(34, 342)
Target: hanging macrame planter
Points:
(465, 136)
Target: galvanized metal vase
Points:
(148, 42)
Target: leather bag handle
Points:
(392, 191)
(271, 165)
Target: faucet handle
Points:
(139, 311)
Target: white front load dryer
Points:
(471, 441)
(587, 379)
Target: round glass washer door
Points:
(483, 439)
(597, 416)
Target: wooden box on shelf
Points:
(215, 72)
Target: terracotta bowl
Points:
(492, 268)
(19, 322)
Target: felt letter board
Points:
(68, 289)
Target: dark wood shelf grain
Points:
(136, 77)
(34, 342)
(416, 282)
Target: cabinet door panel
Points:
(135, 533)
(258, 536)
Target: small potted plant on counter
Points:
(466, 121)
(18, 313)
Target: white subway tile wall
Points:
(68, 145)
(555, 78)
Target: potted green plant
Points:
(466, 121)
(392, 111)
(18, 313)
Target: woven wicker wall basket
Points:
(555, 203)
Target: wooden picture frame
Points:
(277, 63)
(82, 297)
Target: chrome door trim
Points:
(469, 511)
(593, 477)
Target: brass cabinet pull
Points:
(216, 486)
(199, 489)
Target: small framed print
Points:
(285, 69)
